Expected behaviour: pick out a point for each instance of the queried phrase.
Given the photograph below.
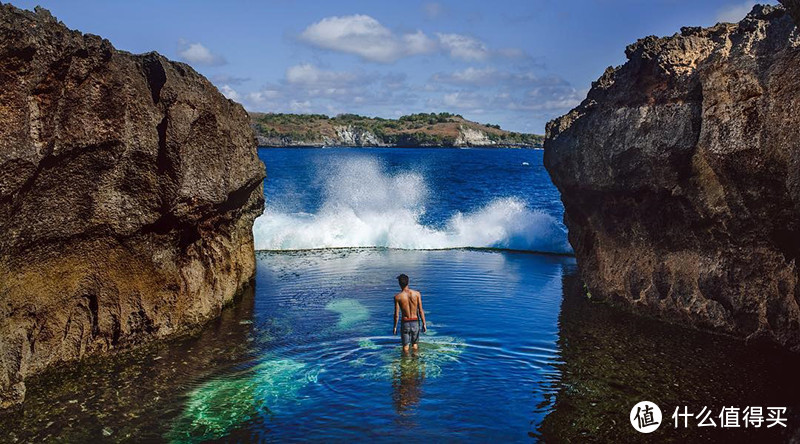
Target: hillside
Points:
(415, 130)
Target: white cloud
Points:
(198, 54)
(309, 75)
(418, 43)
(469, 76)
(464, 100)
(230, 93)
(300, 106)
(523, 94)
(463, 47)
(309, 88)
(364, 36)
(491, 76)
(433, 10)
(734, 13)
(226, 79)
(263, 99)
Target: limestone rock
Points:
(680, 176)
(128, 189)
(472, 137)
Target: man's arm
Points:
(396, 310)
(421, 312)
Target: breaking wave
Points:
(364, 206)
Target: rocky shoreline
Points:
(128, 190)
(413, 131)
(680, 180)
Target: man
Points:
(410, 303)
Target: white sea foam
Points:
(366, 207)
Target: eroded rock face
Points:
(128, 189)
(680, 175)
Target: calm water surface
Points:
(514, 351)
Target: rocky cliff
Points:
(680, 176)
(415, 130)
(128, 188)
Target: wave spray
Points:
(364, 206)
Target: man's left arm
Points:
(422, 313)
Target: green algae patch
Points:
(433, 355)
(350, 312)
(220, 405)
(367, 344)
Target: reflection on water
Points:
(408, 375)
(611, 360)
(131, 396)
(514, 352)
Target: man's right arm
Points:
(396, 309)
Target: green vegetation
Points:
(421, 129)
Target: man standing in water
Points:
(410, 303)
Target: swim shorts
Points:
(409, 331)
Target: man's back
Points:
(408, 300)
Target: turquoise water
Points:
(328, 367)
(514, 352)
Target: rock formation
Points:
(415, 130)
(128, 189)
(353, 136)
(472, 137)
(680, 176)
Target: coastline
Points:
(320, 146)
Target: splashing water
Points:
(364, 206)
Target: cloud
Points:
(469, 76)
(195, 53)
(490, 76)
(264, 98)
(225, 79)
(524, 94)
(464, 100)
(309, 88)
(538, 102)
(308, 75)
(463, 47)
(364, 36)
(367, 38)
(433, 10)
(734, 13)
(230, 93)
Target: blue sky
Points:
(513, 63)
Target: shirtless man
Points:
(410, 303)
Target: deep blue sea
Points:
(515, 351)
(410, 199)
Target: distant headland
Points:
(415, 130)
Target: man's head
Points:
(403, 281)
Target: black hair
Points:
(403, 281)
